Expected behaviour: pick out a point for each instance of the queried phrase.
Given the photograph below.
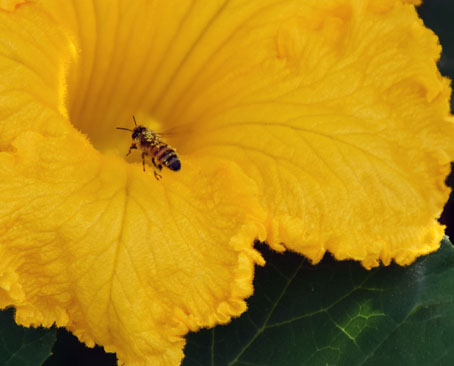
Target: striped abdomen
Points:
(166, 155)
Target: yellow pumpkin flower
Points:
(312, 125)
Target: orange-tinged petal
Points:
(10, 5)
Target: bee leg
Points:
(157, 166)
(143, 161)
(153, 161)
(133, 146)
(157, 175)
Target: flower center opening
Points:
(115, 76)
(128, 63)
(100, 103)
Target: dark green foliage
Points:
(21, 346)
(68, 351)
(338, 314)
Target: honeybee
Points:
(151, 145)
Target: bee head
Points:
(139, 130)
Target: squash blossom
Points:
(312, 125)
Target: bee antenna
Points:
(134, 118)
(126, 129)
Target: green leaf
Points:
(337, 313)
(21, 346)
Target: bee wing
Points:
(167, 133)
(176, 130)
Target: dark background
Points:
(437, 15)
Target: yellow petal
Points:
(95, 244)
(117, 257)
(329, 115)
(337, 110)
